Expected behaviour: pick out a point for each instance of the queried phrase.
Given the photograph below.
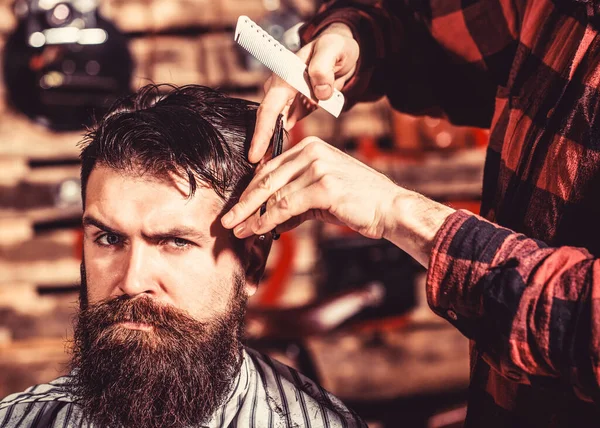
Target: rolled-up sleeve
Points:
(527, 306)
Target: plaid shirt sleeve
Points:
(426, 55)
(531, 309)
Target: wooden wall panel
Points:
(213, 60)
(20, 137)
(146, 16)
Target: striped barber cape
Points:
(266, 394)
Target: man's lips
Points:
(136, 326)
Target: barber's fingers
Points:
(312, 179)
(284, 208)
(300, 108)
(260, 189)
(296, 221)
(332, 56)
(294, 182)
(299, 203)
(312, 214)
(285, 157)
(279, 95)
(274, 174)
(267, 84)
(246, 228)
(280, 98)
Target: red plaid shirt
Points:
(527, 294)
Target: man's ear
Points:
(257, 252)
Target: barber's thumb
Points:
(322, 91)
(322, 82)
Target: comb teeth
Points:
(265, 48)
(282, 62)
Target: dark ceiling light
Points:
(64, 64)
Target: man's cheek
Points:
(104, 268)
(94, 294)
(101, 282)
(203, 298)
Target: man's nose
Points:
(138, 276)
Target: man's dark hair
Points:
(193, 131)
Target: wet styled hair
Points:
(193, 131)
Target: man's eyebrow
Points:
(178, 232)
(91, 221)
(175, 232)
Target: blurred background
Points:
(347, 311)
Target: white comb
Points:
(282, 62)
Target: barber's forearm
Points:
(412, 223)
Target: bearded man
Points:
(157, 340)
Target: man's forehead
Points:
(144, 191)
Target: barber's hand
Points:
(331, 60)
(315, 180)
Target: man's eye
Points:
(177, 243)
(109, 239)
(180, 243)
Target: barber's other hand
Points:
(331, 60)
(315, 180)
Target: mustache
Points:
(143, 310)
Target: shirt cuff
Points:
(464, 250)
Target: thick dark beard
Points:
(174, 376)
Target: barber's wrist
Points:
(412, 222)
